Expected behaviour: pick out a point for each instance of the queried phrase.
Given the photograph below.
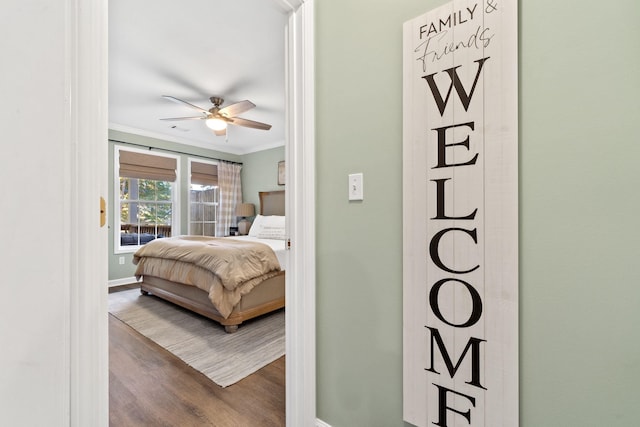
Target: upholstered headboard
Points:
(271, 202)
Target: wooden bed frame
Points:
(264, 298)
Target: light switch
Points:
(356, 191)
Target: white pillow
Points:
(269, 227)
(255, 226)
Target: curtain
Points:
(230, 194)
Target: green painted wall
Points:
(260, 173)
(579, 288)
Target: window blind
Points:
(147, 166)
(204, 173)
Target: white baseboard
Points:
(123, 281)
(320, 423)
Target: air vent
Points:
(174, 127)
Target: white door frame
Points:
(300, 207)
(87, 63)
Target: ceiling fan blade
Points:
(237, 108)
(186, 118)
(188, 104)
(221, 132)
(249, 123)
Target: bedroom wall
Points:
(126, 270)
(258, 174)
(579, 293)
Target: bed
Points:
(257, 296)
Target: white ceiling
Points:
(192, 50)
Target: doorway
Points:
(88, 386)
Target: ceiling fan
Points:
(217, 118)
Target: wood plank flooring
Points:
(149, 386)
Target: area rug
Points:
(200, 342)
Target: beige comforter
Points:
(225, 268)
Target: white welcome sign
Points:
(460, 213)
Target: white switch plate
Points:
(356, 190)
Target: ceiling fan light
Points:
(216, 124)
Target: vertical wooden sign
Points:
(460, 213)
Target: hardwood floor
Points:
(148, 386)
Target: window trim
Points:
(175, 198)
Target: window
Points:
(203, 198)
(147, 195)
